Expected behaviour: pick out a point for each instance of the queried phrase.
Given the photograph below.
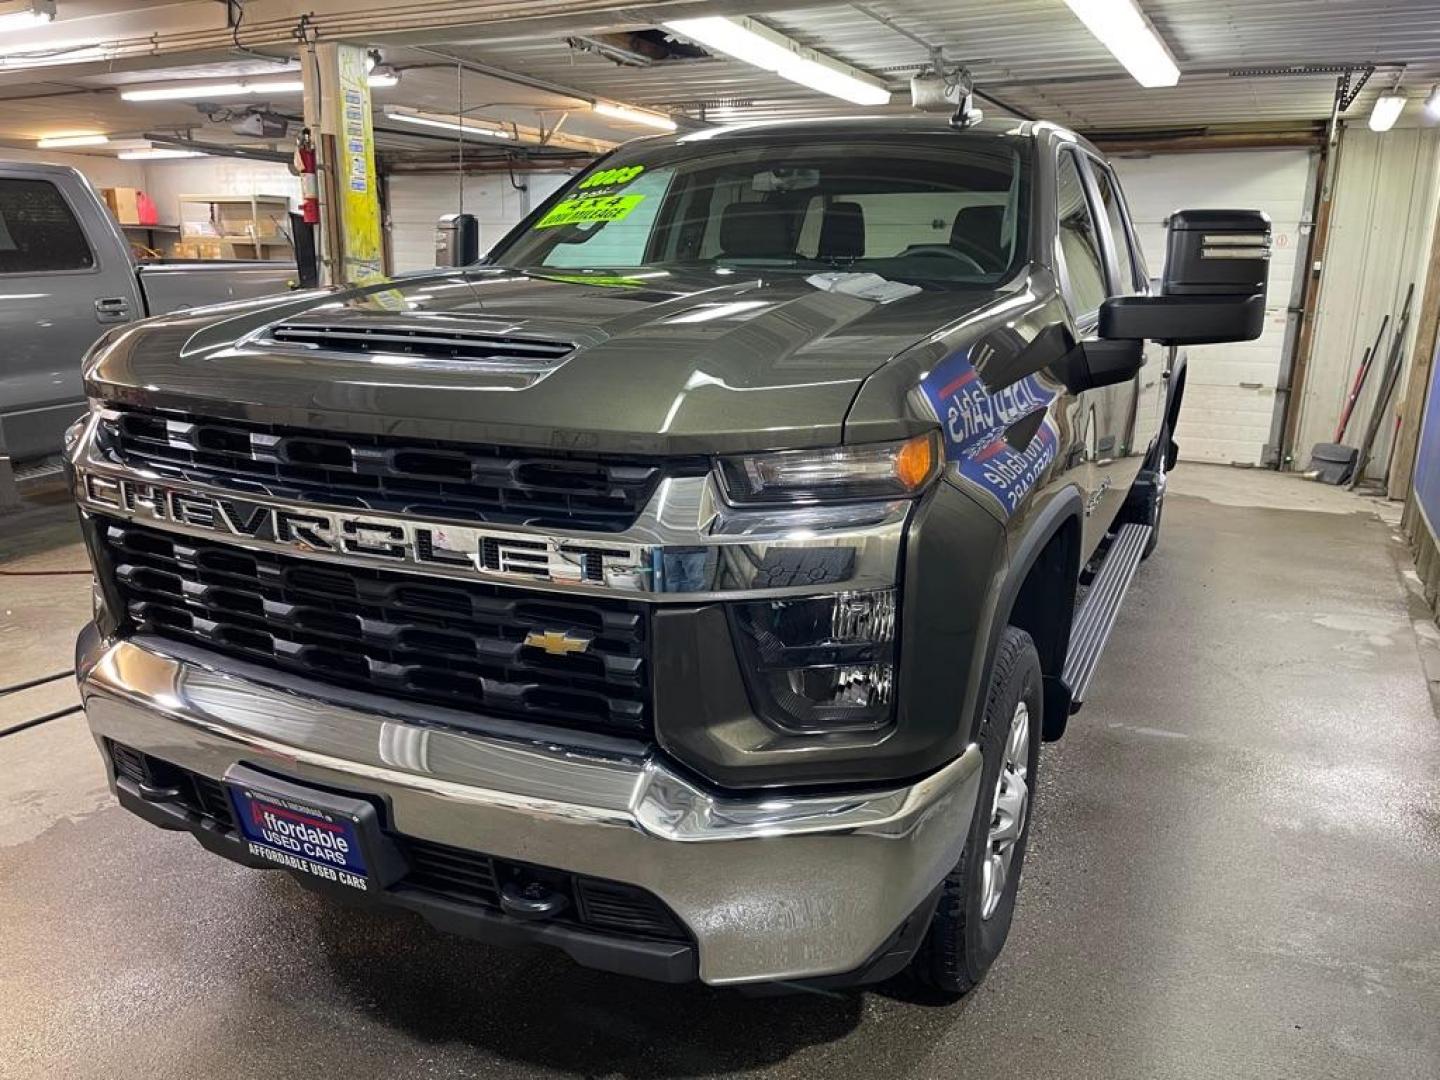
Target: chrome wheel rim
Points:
(1008, 808)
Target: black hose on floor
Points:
(41, 573)
(28, 683)
(37, 721)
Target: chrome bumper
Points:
(772, 887)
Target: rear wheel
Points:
(977, 899)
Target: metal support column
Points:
(337, 105)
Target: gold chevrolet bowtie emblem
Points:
(557, 642)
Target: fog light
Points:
(820, 664)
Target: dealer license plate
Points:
(302, 836)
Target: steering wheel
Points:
(945, 250)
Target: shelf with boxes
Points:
(234, 227)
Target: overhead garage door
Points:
(1230, 389)
(417, 202)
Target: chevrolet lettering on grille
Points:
(443, 548)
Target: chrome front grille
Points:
(387, 474)
(477, 648)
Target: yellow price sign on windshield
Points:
(590, 208)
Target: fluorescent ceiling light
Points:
(1388, 108)
(14, 57)
(750, 41)
(447, 123)
(59, 142)
(26, 16)
(1123, 29)
(634, 116)
(158, 153)
(237, 88)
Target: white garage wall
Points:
(1380, 226)
(166, 181)
(1230, 389)
(416, 202)
(102, 172)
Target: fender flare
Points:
(1065, 505)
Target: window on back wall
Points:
(38, 233)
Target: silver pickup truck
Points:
(66, 276)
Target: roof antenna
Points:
(965, 114)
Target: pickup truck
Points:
(690, 584)
(66, 275)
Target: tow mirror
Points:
(1213, 291)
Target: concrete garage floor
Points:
(1235, 872)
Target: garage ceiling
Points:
(1033, 55)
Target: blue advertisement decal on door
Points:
(975, 421)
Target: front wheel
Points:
(977, 899)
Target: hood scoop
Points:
(422, 340)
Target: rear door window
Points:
(38, 232)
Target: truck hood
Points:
(661, 362)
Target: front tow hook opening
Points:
(532, 901)
(157, 793)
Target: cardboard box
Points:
(124, 203)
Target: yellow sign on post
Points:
(359, 209)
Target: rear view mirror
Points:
(786, 180)
(1216, 264)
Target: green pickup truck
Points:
(688, 585)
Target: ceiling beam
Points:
(1214, 138)
(128, 38)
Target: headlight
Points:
(869, 471)
(77, 428)
(820, 664)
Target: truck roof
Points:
(36, 168)
(861, 127)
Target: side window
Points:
(38, 232)
(1113, 201)
(1084, 274)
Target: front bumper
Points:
(771, 887)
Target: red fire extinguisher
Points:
(309, 181)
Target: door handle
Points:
(112, 309)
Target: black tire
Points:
(960, 944)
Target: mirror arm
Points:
(1183, 320)
(1096, 363)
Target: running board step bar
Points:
(1097, 615)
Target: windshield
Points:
(946, 210)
